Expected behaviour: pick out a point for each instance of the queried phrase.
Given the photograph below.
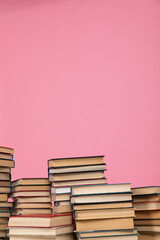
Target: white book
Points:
(60, 190)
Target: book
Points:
(30, 181)
(89, 234)
(38, 199)
(5, 189)
(104, 214)
(75, 176)
(5, 176)
(7, 163)
(60, 190)
(100, 167)
(151, 229)
(5, 169)
(3, 220)
(79, 182)
(5, 183)
(102, 206)
(75, 161)
(100, 189)
(31, 188)
(146, 190)
(6, 156)
(146, 205)
(26, 211)
(41, 231)
(146, 198)
(29, 194)
(32, 205)
(2, 234)
(68, 236)
(61, 197)
(4, 214)
(147, 236)
(101, 198)
(3, 197)
(3, 226)
(104, 224)
(62, 209)
(51, 220)
(149, 214)
(120, 237)
(6, 204)
(147, 222)
(6, 150)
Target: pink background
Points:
(82, 77)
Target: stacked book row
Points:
(6, 163)
(103, 212)
(146, 201)
(31, 196)
(64, 173)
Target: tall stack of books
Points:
(146, 201)
(31, 196)
(67, 172)
(35, 227)
(6, 163)
(103, 212)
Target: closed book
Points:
(146, 205)
(62, 209)
(100, 189)
(146, 198)
(30, 181)
(5, 169)
(104, 213)
(104, 224)
(7, 163)
(40, 220)
(38, 199)
(102, 206)
(3, 197)
(120, 237)
(61, 197)
(146, 190)
(84, 168)
(68, 236)
(41, 231)
(75, 176)
(6, 150)
(3, 226)
(6, 204)
(3, 220)
(79, 182)
(60, 190)
(147, 222)
(25, 211)
(149, 236)
(29, 194)
(4, 214)
(151, 229)
(101, 198)
(149, 214)
(2, 234)
(5, 176)
(6, 156)
(31, 188)
(32, 205)
(5, 183)
(5, 189)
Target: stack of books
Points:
(6, 163)
(67, 172)
(146, 201)
(103, 212)
(31, 196)
(35, 227)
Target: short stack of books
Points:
(146, 201)
(31, 196)
(103, 212)
(35, 227)
(6, 163)
(67, 172)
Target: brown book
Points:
(61, 197)
(5, 189)
(150, 229)
(3, 220)
(31, 188)
(5, 176)
(5, 169)
(19, 231)
(104, 224)
(2, 234)
(32, 205)
(146, 205)
(68, 236)
(102, 206)
(149, 214)
(3, 197)
(26, 211)
(6, 204)
(120, 237)
(29, 194)
(101, 189)
(101, 198)
(4, 214)
(75, 161)
(146, 190)
(79, 182)
(147, 222)
(6, 156)
(40, 220)
(146, 198)
(5, 183)
(75, 176)
(104, 213)
(3, 226)
(30, 181)
(38, 199)
(7, 163)
(147, 236)
(6, 150)
(62, 209)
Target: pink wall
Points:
(82, 77)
